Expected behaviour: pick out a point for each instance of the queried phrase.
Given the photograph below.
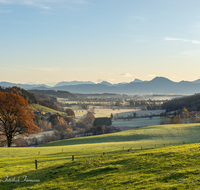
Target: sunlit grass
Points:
(173, 167)
(145, 136)
(37, 107)
(124, 166)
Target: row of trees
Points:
(192, 103)
(181, 117)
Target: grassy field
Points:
(137, 122)
(79, 112)
(145, 136)
(37, 107)
(107, 112)
(171, 167)
(122, 112)
(174, 167)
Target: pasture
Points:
(146, 137)
(98, 112)
(37, 107)
(136, 122)
(159, 167)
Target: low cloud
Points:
(111, 80)
(100, 80)
(195, 53)
(106, 79)
(12, 69)
(43, 4)
(183, 40)
(151, 75)
(126, 75)
(5, 11)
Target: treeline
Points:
(65, 127)
(59, 94)
(27, 95)
(49, 104)
(56, 122)
(179, 117)
(191, 103)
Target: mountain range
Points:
(158, 85)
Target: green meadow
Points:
(37, 107)
(144, 158)
(145, 136)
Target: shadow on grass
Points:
(99, 166)
(70, 172)
(43, 175)
(159, 135)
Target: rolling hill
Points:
(144, 136)
(122, 166)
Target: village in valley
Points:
(80, 115)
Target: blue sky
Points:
(45, 41)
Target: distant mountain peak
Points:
(137, 80)
(196, 81)
(106, 83)
(160, 79)
(68, 83)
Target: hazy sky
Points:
(44, 41)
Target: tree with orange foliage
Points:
(185, 114)
(62, 128)
(15, 117)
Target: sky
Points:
(48, 41)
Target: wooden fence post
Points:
(103, 153)
(36, 164)
(72, 157)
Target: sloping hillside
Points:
(17, 90)
(189, 102)
(37, 107)
(145, 136)
(33, 98)
(174, 167)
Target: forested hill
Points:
(58, 94)
(30, 97)
(192, 103)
